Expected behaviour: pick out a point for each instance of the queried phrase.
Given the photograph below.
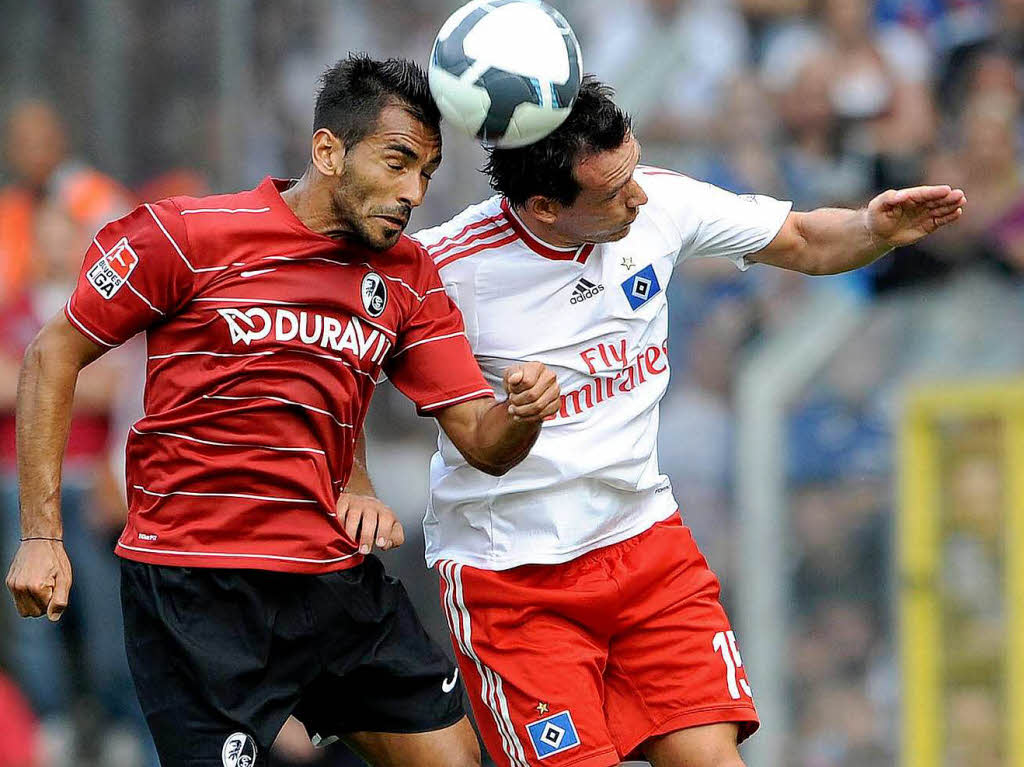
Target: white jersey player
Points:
(585, 621)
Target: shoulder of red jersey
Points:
(221, 206)
(475, 230)
(205, 231)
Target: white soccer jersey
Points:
(597, 316)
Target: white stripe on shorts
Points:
(491, 687)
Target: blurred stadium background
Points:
(849, 451)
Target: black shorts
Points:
(220, 659)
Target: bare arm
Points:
(359, 480)
(495, 436)
(40, 575)
(834, 240)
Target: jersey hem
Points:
(746, 260)
(553, 558)
(595, 759)
(78, 324)
(228, 561)
(428, 409)
(743, 715)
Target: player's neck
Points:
(311, 204)
(545, 232)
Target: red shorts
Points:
(580, 663)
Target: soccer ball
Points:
(505, 71)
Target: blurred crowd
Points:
(822, 102)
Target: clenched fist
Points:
(533, 392)
(40, 579)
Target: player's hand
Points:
(369, 522)
(533, 392)
(40, 579)
(901, 217)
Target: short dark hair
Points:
(546, 168)
(355, 90)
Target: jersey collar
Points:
(578, 254)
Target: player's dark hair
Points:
(546, 168)
(355, 90)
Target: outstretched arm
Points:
(40, 575)
(834, 240)
(495, 436)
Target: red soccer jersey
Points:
(265, 342)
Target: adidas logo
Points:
(584, 289)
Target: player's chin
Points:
(384, 235)
(619, 234)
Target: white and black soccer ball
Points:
(505, 71)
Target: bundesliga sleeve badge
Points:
(553, 734)
(641, 287)
(113, 269)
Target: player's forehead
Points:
(398, 127)
(607, 170)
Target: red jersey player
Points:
(271, 315)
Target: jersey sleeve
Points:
(135, 274)
(433, 364)
(709, 222)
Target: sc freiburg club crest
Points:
(239, 751)
(374, 293)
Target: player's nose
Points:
(637, 195)
(412, 191)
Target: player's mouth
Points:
(397, 221)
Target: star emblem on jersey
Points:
(374, 293)
(584, 289)
(641, 287)
(627, 262)
(553, 734)
(542, 708)
(239, 751)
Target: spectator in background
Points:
(90, 527)
(1010, 29)
(37, 150)
(988, 163)
(743, 159)
(879, 85)
(881, 90)
(816, 170)
(695, 48)
(949, 26)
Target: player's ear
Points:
(327, 153)
(543, 209)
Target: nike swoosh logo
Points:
(255, 272)
(447, 686)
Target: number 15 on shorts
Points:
(725, 643)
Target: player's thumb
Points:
(891, 198)
(513, 377)
(58, 598)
